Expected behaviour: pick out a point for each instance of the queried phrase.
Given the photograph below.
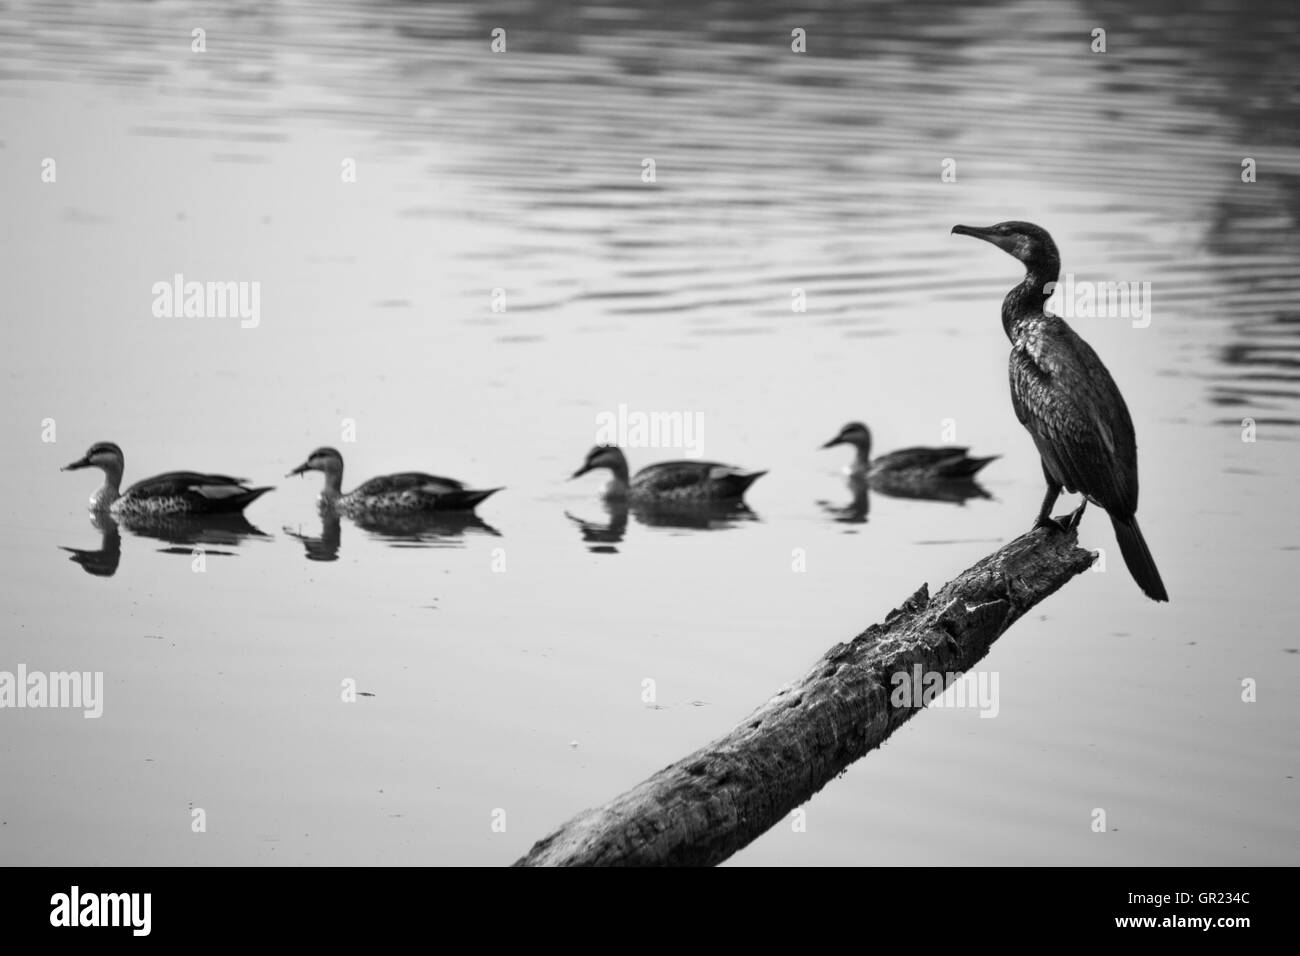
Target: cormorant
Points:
(1068, 402)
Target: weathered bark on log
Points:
(703, 808)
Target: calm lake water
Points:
(507, 657)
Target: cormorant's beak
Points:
(83, 462)
(580, 472)
(299, 470)
(1005, 243)
(837, 440)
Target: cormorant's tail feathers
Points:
(1138, 558)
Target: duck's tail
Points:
(966, 467)
(1138, 557)
(739, 484)
(240, 502)
(463, 500)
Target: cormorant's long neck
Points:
(1025, 302)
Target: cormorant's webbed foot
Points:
(1050, 523)
(1075, 518)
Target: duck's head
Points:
(1029, 243)
(103, 455)
(854, 433)
(602, 456)
(323, 459)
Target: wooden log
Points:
(703, 808)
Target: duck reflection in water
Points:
(955, 491)
(856, 511)
(694, 516)
(184, 534)
(424, 529)
(603, 535)
(411, 530)
(102, 563)
(324, 546)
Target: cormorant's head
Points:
(1029, 243)
(103, 455)
(322, 459)
(854, 433)
(602, 456)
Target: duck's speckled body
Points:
(172, 493)
(669, 482)
(407, 492)
(922, 465)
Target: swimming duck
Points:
(407, 491)
(918, 464)
(675, 482)
(173, 493)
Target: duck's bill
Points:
(74, 465)
(580, 472)
(299, 470)
(837, 440)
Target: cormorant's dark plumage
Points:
(1068, 402)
